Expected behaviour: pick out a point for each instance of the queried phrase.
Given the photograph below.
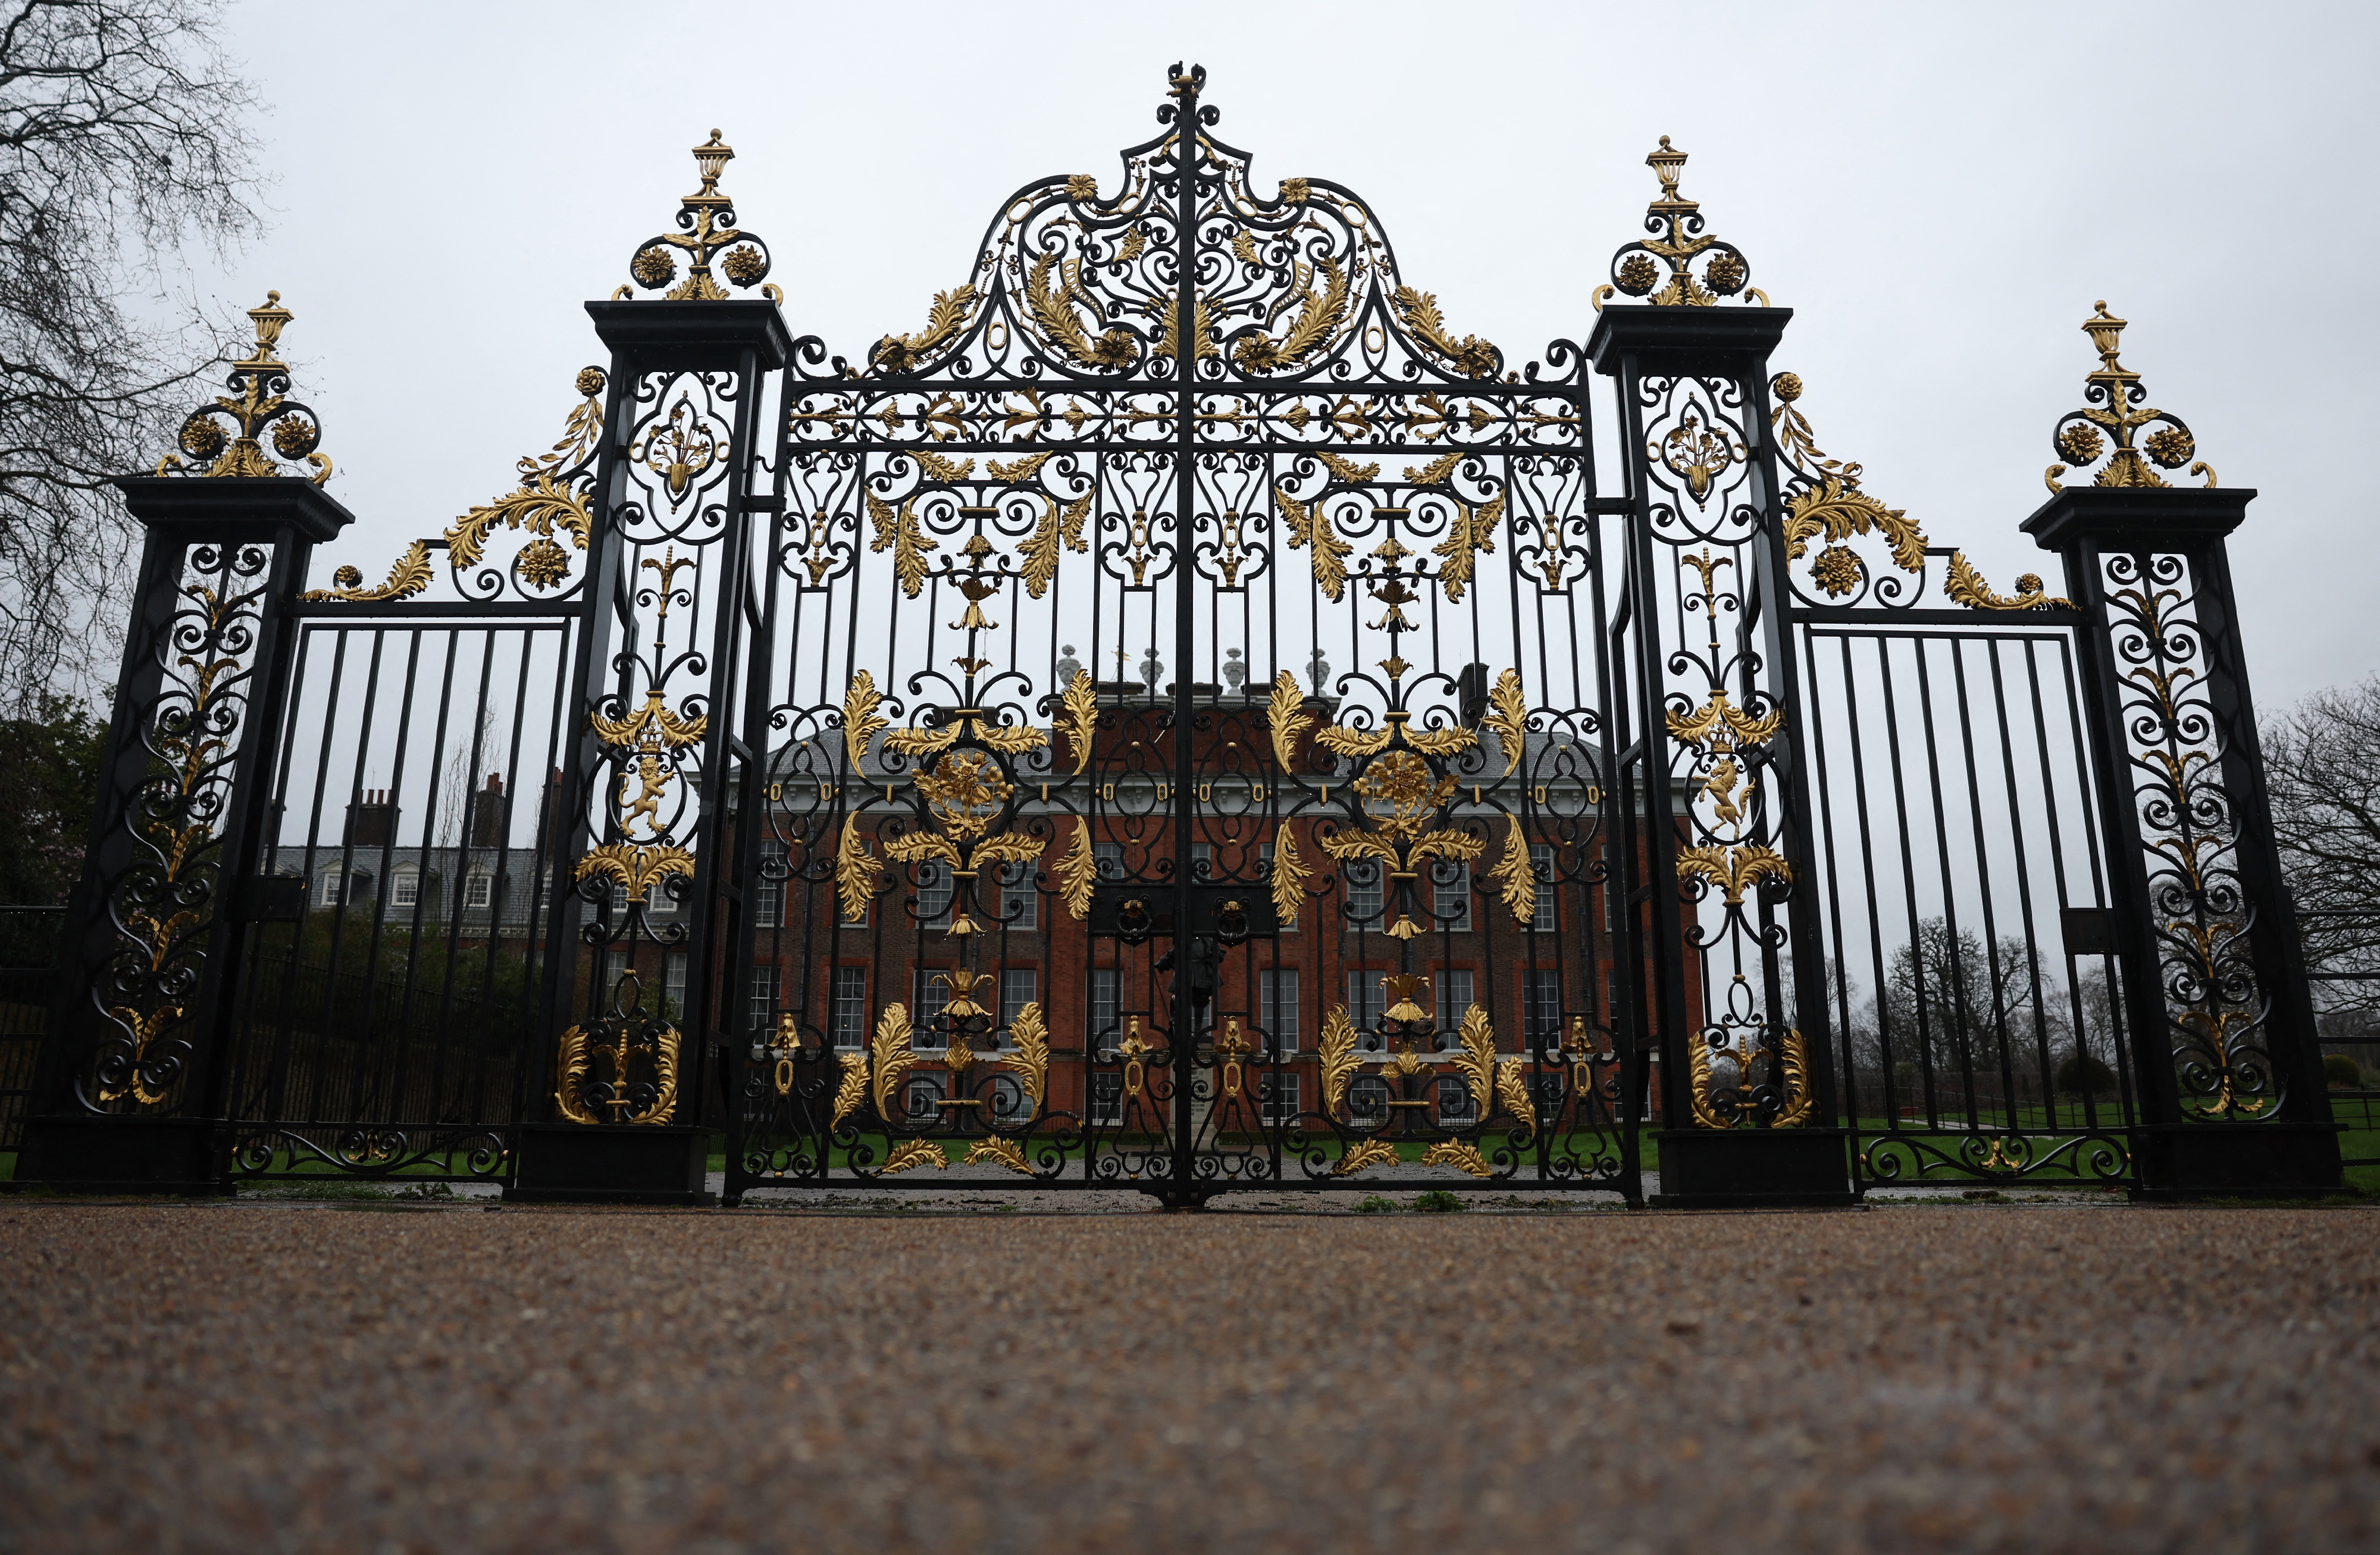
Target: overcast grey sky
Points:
(1939, 192)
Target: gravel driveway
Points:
(370, 1378)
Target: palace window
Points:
(850, 1014)
(1278, 1009)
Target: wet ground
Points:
(374, 1375)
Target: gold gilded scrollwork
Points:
(906, 353)
(574, 1066)
(543, 503)
(1796, 1101)
(1028, 1060)
(2116, 411)
(1831, 505)
(406, 578)
(1339, 1060)
(706, 226)
(1318, 318)
(259, 377)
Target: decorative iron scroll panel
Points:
(1970, 977)
(1282, 630)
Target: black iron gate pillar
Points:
(1717, 802)
(2215, 991)
(663, 788)
(132, 1090)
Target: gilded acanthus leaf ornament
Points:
(1469, 532)
(1471, 356)
(892, 1056)
(850, 1091)
(1053, 308)
(1734, 870)
(652, 724)
(901, 533)
(1513, 1094)
(1474, 1055)
(1461, 1154)
(548, 499)
(573, 1063)
(1307, 524)
(1078, 871)
(906, 353)
(1346, 469)
(1340, 1059)
(1287, 720)
(913, 1153)
(1058, 524)
(1079, 718)
(861, 722)
(410, 576)
(1362, 1155)
(997, 1152)
(1028, 1059)
(857, 872)
(1514, 877)
(1289, 874)
(637, 870)
(1318, 318)
(1023, 469)
(1508, 714)
(1794, 1060)
(1965, 586)
(1720, 725)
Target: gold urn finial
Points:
(267, 320)
(2106, 334)
(1678, 241)
(709, 159)
(259, 400)
(2136, 440)
(706, 227)
(1668, 164)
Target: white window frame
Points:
(1541, 868)
(847, 1008)
(1018, 896)
(1107, 1029)
(1450, 899)
(479, 890)
(1106, 1101)
(1279, 1016)
(761, 998)
(1443, 983)
(1276, 1099)
(405, 889)
(1365, 900)
(769, 893)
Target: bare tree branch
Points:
(2322, 759)
(124, 145)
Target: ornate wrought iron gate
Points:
(1184, 717)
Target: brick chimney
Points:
(488, 813)
(371, 823)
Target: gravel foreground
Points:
(282, 1378)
